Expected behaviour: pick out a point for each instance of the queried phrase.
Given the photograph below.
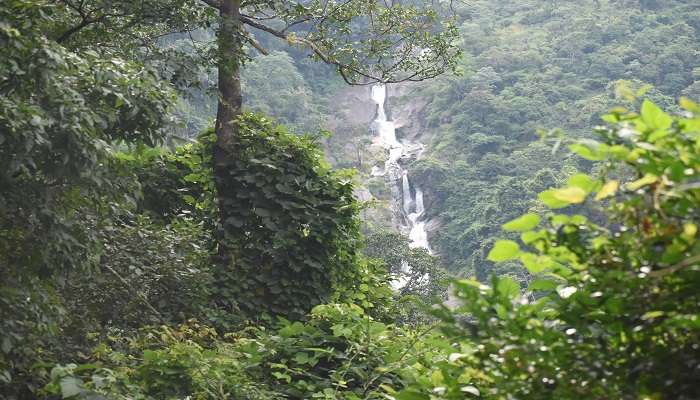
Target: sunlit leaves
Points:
(654, 117)
(536, 263)
(572, 194)
(523, 223)
(542, 284)
(598, 279)
(608, 189)
(508, 287)
(583, 181)
(559, 198)
(588, 151)
(690, 229)
(689, 105)
(647, 179)
(504, 250)
(551, 201)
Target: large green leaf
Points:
(607, 190)
(534, 263)
(570, 195)
(504, 250)
(542, 284)
(583, 181)
(508, 287)
(523, 223)
(654, 117)
(550, 200)
(587, 151)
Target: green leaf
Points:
(643, 181)
(465, 283)
(531, 236)
(534, 263)
(689, 105)
(659, 134)
(6, 346)
(652, 314)
(262, 212)
(547, 197)
(570, 194)
(150, 355)
(619, 152)
(301, 358)
(582, 181)
(237, 222)
(504, 250)
(542, 284)
(586, 152)
(501, 311)
(189, 199)
(194, 178)
(508, 287)
(654, 117)
(523, 223)
(608, 189)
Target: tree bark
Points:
(230, 48)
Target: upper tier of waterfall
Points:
(385, 129)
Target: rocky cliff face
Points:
(378, 130)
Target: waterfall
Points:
(406, 193)
(384, 128)
(379, 97)
(420, 208)
(407, 201)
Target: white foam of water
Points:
(406, 199)
(406, 193)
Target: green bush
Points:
(166, 363)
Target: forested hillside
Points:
(539, 65)
(356, 199)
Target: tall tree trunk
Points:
(229, 108)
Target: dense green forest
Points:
(540, 66)
(178, 222)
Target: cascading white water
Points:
(379, 97)
(420, 207)
(418, 234)
(384, 128)
(406, 193)
(405, 202)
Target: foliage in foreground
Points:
(611, 311)
(340, 352)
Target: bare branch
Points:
(84, 23)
